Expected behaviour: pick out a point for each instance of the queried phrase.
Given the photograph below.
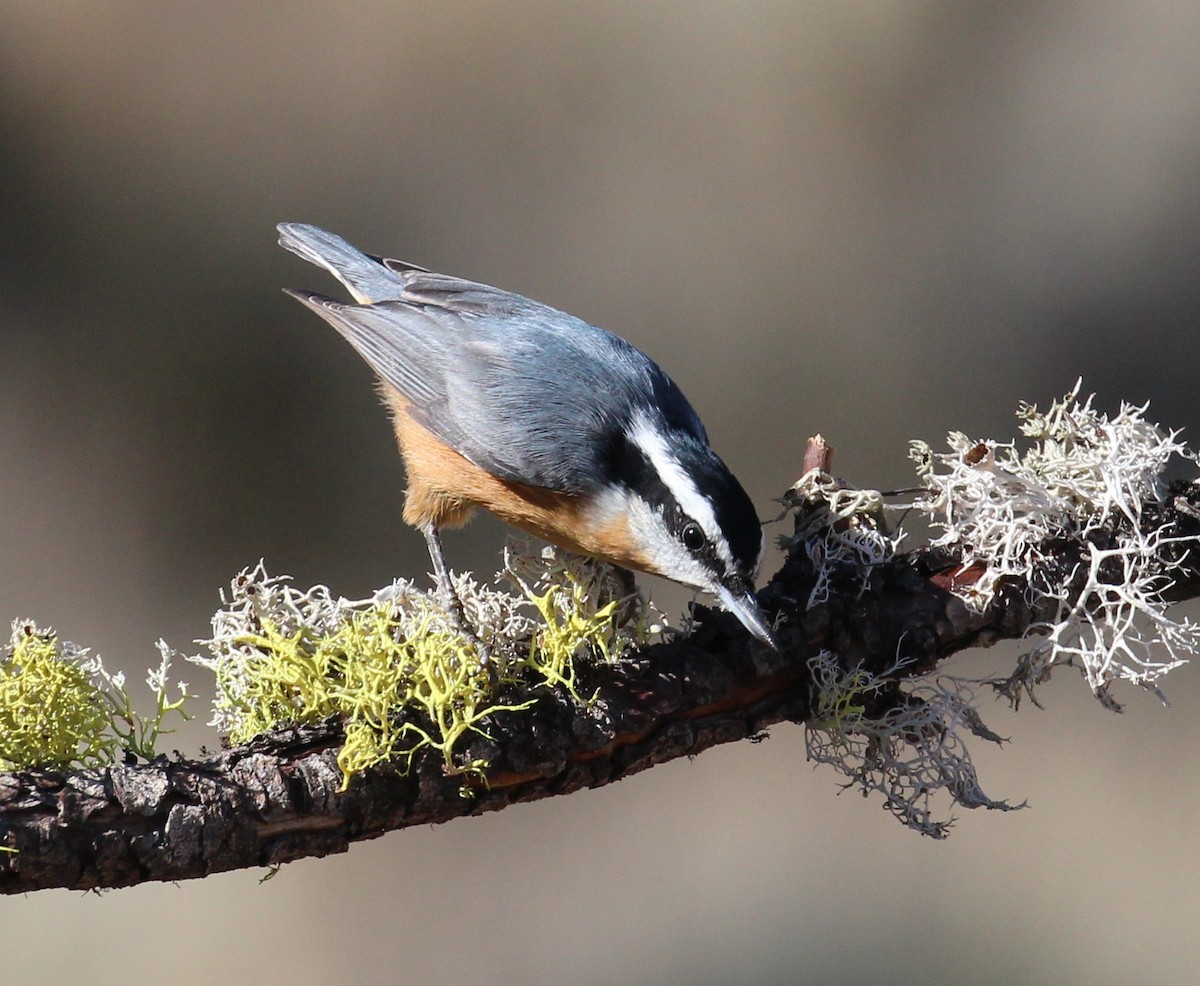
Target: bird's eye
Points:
(693, 537)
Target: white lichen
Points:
(1086, 478)
(1079, 486)
(840, 529)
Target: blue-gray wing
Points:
(527, 392)
(542, 400)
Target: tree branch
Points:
(278, 798)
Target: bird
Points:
(558, 427)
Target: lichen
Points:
(911, 751)
(583, 610)
(1079, 479)
(396, 669)
(840, 529)
(1086, 478)
(61, 708)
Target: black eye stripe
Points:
(624, 462)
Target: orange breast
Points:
(444, 488)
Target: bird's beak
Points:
(737, 596)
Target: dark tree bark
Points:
(277, 799)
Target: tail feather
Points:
(365, 277)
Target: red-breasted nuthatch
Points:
(556, 426)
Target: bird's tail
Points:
(365, 277)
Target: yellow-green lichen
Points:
(51, 712)
(60, 708)
(380, 660)
(395, 668)
(567, 626)
(583, 609)
(838, 705)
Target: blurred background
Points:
(876, 220)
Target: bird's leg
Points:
(449, 596)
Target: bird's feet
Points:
(453, 604)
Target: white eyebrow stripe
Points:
(690, 499)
